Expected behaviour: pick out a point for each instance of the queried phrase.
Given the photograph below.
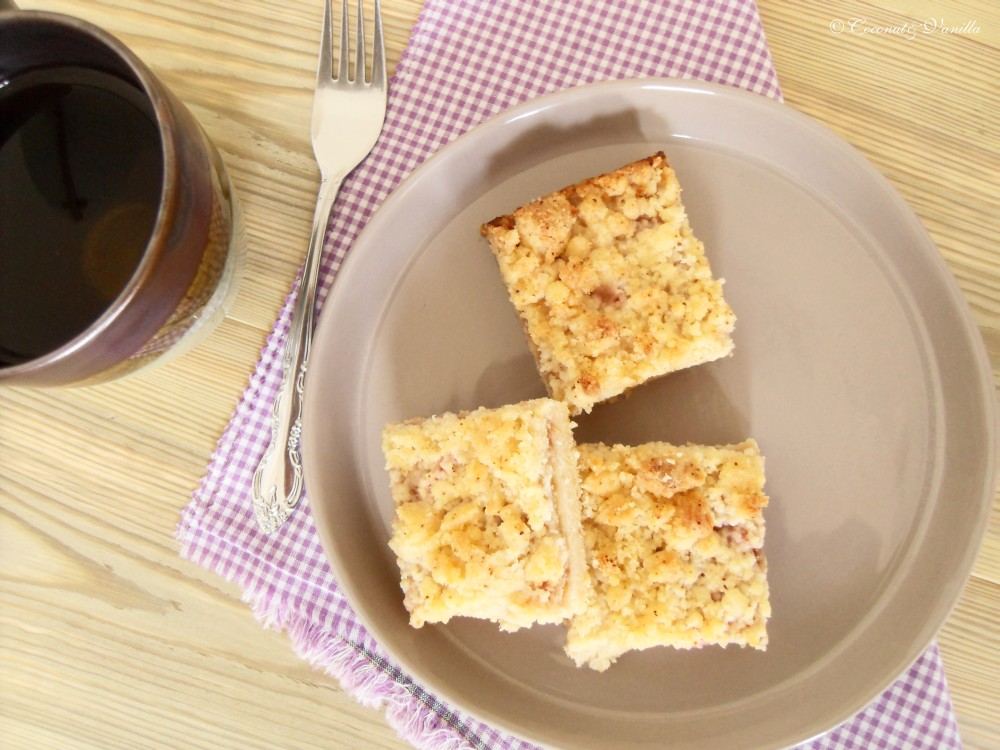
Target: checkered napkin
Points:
(468, 60)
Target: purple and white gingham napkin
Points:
(468, 60)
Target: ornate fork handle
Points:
(277, 482)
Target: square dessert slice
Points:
(611, 285)
(674, 539)
(487, 515)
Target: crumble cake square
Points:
(674, 539)
(487, 515)
(611, 285)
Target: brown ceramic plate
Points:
(857, 368)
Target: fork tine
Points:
(342, 69)
(378, 55)
(359, 57)
(325, 70)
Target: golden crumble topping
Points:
(611, 285)
(674, 539)
(487, 515)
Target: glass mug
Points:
(120, 234)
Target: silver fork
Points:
(347, 118)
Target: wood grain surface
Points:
(109, 640)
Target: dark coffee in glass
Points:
(81, 173)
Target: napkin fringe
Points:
(373, 687)
(415, 715)
(362, 677)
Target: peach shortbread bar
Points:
(674, 539)
(611, 285)
(487, 515)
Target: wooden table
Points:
(108, 639)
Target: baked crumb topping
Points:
(674, 539)
(487, 517)
(611, 284)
